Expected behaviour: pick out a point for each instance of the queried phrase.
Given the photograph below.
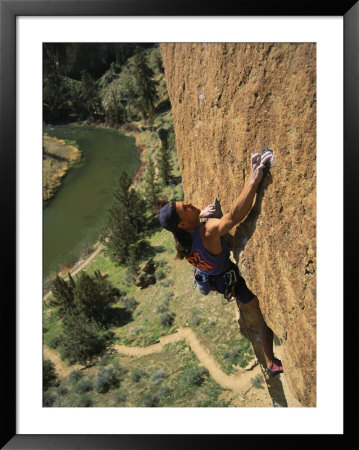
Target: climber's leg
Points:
(266, 335)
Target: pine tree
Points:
(146, 85)
(126, 220)
(63, 295)
(165, 165)
(83, 338)
(89, 95)
(94, 297)
(152, 189)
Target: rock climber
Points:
(202, 243)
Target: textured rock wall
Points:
(229, 100)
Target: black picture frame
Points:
(9, 10)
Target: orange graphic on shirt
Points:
(198, 262)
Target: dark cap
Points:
(168, 217)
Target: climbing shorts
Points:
(242, 294)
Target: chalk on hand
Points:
(271, 159)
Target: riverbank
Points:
(146, 137)
(58, 157)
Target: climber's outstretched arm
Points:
(243, 204)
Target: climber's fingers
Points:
(255, 159)
(265, 158)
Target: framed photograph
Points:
(328, 35)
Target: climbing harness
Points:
(206, 283)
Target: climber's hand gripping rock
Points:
(258, 164)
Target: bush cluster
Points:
(83, 387)
(195, 376)
(75, 376)
(130, 303)
(49, 375)
(150, 400)
(167, 319)
(137, 375)
(159, 376)
(107, 379)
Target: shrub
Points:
(107, 379)
(129, 277)
(163, 307)
(168, 297)
(195, 376)
(62, 390)
(160, 375)
(137, 374)
(160, 275)
(104, 361)
(257, 381)
(167, 319)
(55, 342)
(85, 401)
(48, 399)
(130, 303)
(75, 376)
(167, 283)
(164, 391)
(121, 397)
(208, 326)
(150, 400)
(233, 354)
(196, 319)
(84, 386)
(49, 374)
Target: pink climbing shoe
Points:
(275, 368)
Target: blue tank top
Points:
(204, 261)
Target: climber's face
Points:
(188, 214)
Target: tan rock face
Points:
(229, 100)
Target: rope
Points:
(250, 338)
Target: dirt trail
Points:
(62, 369)
(238, 383)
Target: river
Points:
(74, 217)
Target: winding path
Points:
(238, 383)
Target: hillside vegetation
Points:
(173, 377)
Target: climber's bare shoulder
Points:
(215, 228)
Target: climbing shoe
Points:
(275, 368)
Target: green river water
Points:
(73, 218)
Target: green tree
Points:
(49, 376)
(145, 82)
(56, 98)
(63, 296)
(83, 339)
(89, 95)
(126, 220)
(164, 163)
(94, 297)
(130, 96)
(151, 187)
(115, 111)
